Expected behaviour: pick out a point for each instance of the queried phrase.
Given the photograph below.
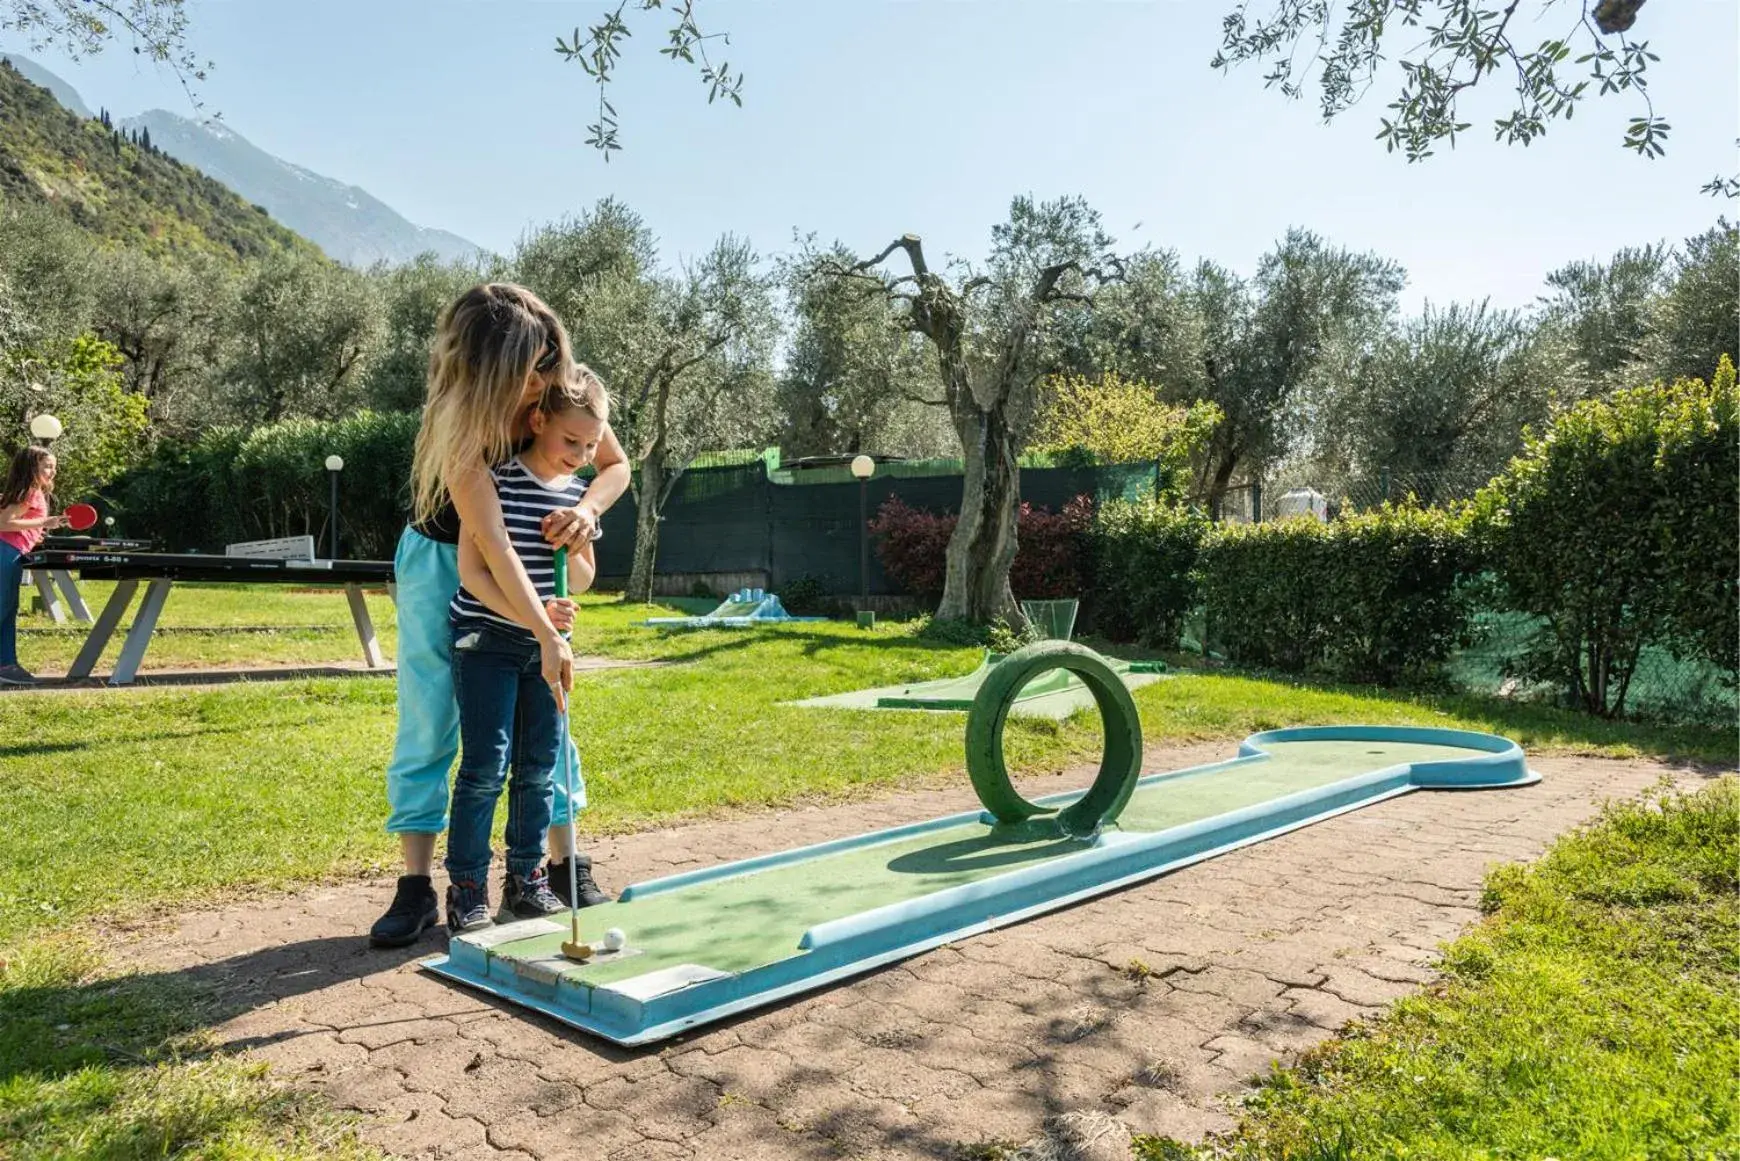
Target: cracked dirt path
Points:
(1154, 1005)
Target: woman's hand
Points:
(561, 613)
(571, 526)
(556, 660)
(54, 522)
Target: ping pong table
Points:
(159, 571)
(69, 598)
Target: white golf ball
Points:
(614, 939)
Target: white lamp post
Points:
(45, 427)
(863, 467)
(334, 465)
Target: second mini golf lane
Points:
(758, 917)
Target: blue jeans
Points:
(428, 732)
(11, 576)
(507, 717)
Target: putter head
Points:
(579, 952)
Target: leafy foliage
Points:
(1309, 310)
(272, 481)
(1145, 554)
(912, 545)
(1436, 405)
(1376, 597)
(854, 379)
(1597, 528)
(78, 382)
(1112, 420)
(1699, 462)
(1453, 46)
(601, 48)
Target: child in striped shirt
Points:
(508, 715)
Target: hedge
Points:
(1620, 526)
(1144, 567)
(232, 485)
(1379, 597)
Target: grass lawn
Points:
(1593, 1015)
(121, 801)
(215, 626)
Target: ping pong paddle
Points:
(80, 517)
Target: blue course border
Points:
(840, 948)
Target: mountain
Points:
(37, 75)
(347, 222)
(118, 190)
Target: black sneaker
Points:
(468, 907)
(528, 897)
(586, 890)
(413, 912)
(16, 675)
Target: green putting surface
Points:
(757, 918)
(1056, 694)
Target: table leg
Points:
(98, 640)
(139, 636)
(45, 589)
(365, 627)
(75, 600)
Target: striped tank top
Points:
(525, 501)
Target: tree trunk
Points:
(650, 496)
(646, 526)
(976, 583)
(1218, 482)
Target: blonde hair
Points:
(579, 390)
(486, 345)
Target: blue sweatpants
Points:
(427, 742)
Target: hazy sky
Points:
(863, 120)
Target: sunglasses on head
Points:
(552, 355)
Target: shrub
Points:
(1378, 597)
(1052, 559)
(1698, 465)
(1144, 557)
(912, 545)
(1618, 527)
(273, 482)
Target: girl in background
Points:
(24, 519)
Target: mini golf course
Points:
(708, 944)
(1055, 694)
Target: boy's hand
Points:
(561, 613)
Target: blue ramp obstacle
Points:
(741, 610)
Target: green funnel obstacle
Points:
(709, 944)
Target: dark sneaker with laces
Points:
(528, 897)
(413, 912)
(16, 675)
(468, 907)
(587, 891)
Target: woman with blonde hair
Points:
(497, 350)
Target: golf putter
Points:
(574, 947)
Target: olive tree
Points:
(997, 332)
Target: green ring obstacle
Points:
(1120, 766)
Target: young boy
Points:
(507, 712)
